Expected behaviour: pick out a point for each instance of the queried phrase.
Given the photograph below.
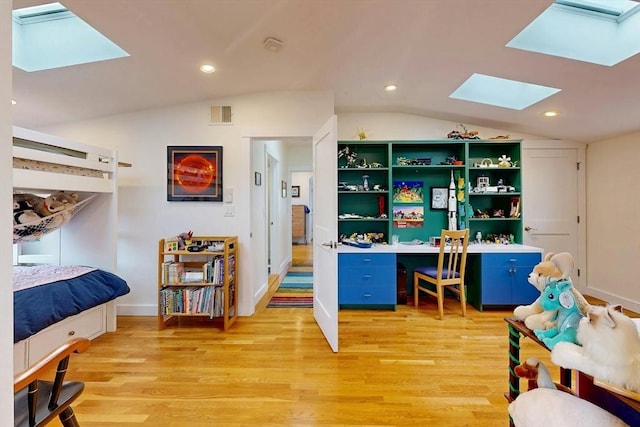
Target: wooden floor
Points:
(394, 368)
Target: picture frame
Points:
(194, 173)
(439, 198)
(295, 191)
(283, 188)
(257, 178)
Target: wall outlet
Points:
(228, 211)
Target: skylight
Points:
(603, 32)
(501, 92)
(50, 36)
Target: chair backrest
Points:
(452, 260)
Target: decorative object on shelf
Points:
(194, 173)
(483, 181)
(283, 188)
(515, 208)
(501, 137)
(404, 161)
(349, 155)
(465, 134)
(257, 178)
(295, 191)
(439, 198)
(452, 205)
(362, 134)
(487, 163)
(504, 161)
(365, 182)
(381, 208)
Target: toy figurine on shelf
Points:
(452, 205)
(349, 155)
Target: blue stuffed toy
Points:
(559, 296)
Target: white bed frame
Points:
(90, 237)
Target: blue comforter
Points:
(36, 308)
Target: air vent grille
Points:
(221, 114)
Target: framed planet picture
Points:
(194, 173)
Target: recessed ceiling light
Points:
(550, 113)
(208, 68)
(390, 88)
(13, 102)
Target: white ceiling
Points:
(352, 47)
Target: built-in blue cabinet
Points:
(367, 280)
(503, 279)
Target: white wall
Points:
(613, 228)
(6, 191)
(144, 213)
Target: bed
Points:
(83, 306)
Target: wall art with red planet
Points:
(194, 173)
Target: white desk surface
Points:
(474, 248)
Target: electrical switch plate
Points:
(228, 211)
(227, 195)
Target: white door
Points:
(325, 231)
(550, 197)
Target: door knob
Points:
(527, 228)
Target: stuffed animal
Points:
(554, 267)
(23, 212)
(184, 239)
(545, 405)
(557, 297)
(609, 348)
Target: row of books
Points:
(212, 272)
(193, 300)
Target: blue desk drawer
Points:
(366, 259)
(366, 294)
(367, 279)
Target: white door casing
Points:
(325, 231)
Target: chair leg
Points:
(68, 418)
(441, 301)
(415, 291)
(463, 299)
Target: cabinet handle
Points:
(366, 259)
(367, 295)
(512, 260)
(367, 276)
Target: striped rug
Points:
(296, 290)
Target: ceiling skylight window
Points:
(603, 32)
(50, 36)
(501, 92)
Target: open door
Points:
(325, 231)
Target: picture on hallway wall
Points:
(194, 173)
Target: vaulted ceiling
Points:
(351, 47)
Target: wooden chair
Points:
(38, 402)
(449, 272)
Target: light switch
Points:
(227, 195)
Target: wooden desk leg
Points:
(514, 360)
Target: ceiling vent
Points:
(221, 114)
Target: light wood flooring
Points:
(394, 368)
